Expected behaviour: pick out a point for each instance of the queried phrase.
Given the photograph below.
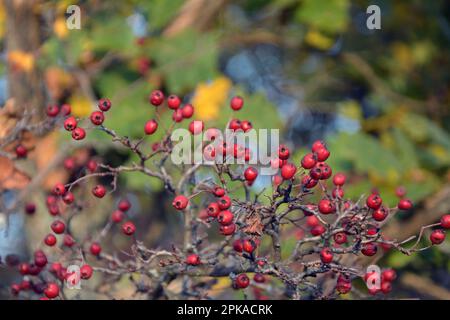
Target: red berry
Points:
(400, 192)
(70, 123)
(173, 102)
(95, 248)
(40, 259)
(340, 238)
(326, 206)
(380, 214)
(68, 198)
(317, 230)
(238, 245)
(339, 179)
(180, 202)
(117, 216)
(337, 193)
(259, 278)
(213, 209)
(86, 271)
(68, 240)
(52, 290)
(246, 125)
(218, 191)
(21, 151)
(228, 229)
(312, 221)
(235, 124)
(386, 287)
(156, 98)
(124, 205)
(405, 204)
(99, 191)
(193, 259)
(374, 201)
(326, 255)
(59, 189)
(50, 240)
(369, 249)
(224, 202)
(69, 164)
(128, 228)
(225, 217)
(78, 133)
(92, 165)
(58, 226)
(177, 115)
(30, 208)
(322, 154)
(187, 111)
(309, 161)
(104, 104)
(196, 127)
(445, 221)
(288, 171)
(248, 246)
(236, 103)
(52, 110)
(66, 109)
(150, 127)
(242, 281)
(309, 182)
(388, 275)
(318, 144)
(437, 236)
(250, 174)
(343, 287)
(24, 268)
(283, 152)
(97, 117)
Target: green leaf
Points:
(326, 15)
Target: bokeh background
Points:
(380, 98)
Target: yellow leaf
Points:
(21, 60)
(209, 97)
(60, 28)
(318, 40)
(81, 105)
(2, 20)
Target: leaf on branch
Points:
(253, 225)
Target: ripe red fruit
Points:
(177, 115)
(224, 202)
(58, 226)
(21, 151)
(283, 152)
(400, 192)
(95, 248)
(124, 205)
(180, 202)
(374, 201)
(92, 165)
(52, 290)
(196, 127)
(66, 109)
(86, 271)
(386, 287)
(68, 240)
(437, 236)
(104, 104)
(343, 287)
(30, 208)
(259, 278)
(250, 174)
(445, 221)
(218, 191)
(380, 214)
(78, 133)
(309, 182)
(318, 144)
(369, 249)
(70, 123)
(322, 154)
(337, 192)
(225, 217)
(59, 189)
(117, 216)
(156, 98)
(52, 110)
(97, 118)
(317, 230)
(69, 164)
(236, 103)
(40, 259)
(246, 125)
(193, 259)
(312, 221)
(388, 275)
(326, 206)
(24, 268)
(288, 171)
(213, 209)
(235, 124)
(339, 179)
(326, 255)
(173, 102)
(68, 198)
(238, 245)
(187, 111)
(99, 191)
(248, 246)
(340, 238)
(242, 281)
(228, 229)
(128, 228)
(50, 240)
(405, 204)
(308, 161)
(150, 127)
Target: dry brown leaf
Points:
(10, 176)
(253, 225)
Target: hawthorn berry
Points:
(318, 144)
(228, 229)
(124, 205)
(69, 164)
(95, 248)
(400, 192)
(259, 278)
(218, 191)
(52, 290)
(66, 109)
(128, 228)
(15, 289)
(21, 151)
(97, 118)
(322, 154)
(40, 259)
(68, 198)
(224, 202)
(386, 287)
(236, 103)
(238, 245)
(405, 204)
(445, 221)
(369, 249)
(86, 271)
(374, 201)
(235, 124)
(150, 127)
(92, 165)
(312, 221)
(30, 208)
(388, 275)
(242, 281)
(309, 182)
(68, 240)
(59, 189)
(225, 217)
(308, 161)
(177, 115)
(326, 255)
(24, 268)
(288, 171)
(50, 240)
(380, 214)
(58, 226)
(180, 202)
(337, 193)
(99, 191)
(117, 216)
(213, 209)
(193, 259)
(248, 246)
(187, 111)
(156, 98)
(283, 152)
(250, 174)
(326, 206)
(78, 133)
(196, 127)
(339, 179)
(70, 123)
(340, 238)
(55, 267)
(246, 125)
(52, 110)
(104, 104)
(173, 102)
(437, 236)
